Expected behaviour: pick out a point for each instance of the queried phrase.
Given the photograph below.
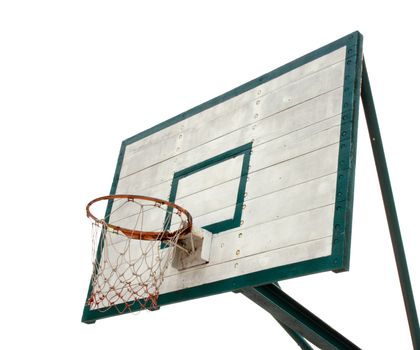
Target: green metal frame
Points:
(340, 257)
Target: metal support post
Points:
(303, 344)
(294, 316)
(390, 209)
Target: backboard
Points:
(267, 168)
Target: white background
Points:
(78, 77)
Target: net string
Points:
(129, 272)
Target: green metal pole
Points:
(303, 344)
(253, 295)
(390, 209)
(288, 312)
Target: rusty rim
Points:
(143, 235)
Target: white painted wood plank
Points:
(212, 176)
(298, 231)
(287, 78)
(153, 139)
(204, 274)
(291, 145)
(295, 144)
(301, 141)
(196, 182)
(294, 205)
(300, 116)
(284, 98)
(291, 230)
(302, 90)
(304, 70)
(235, 103)
(221, 199)
(289, 201)
(212, 199)
(279, 257)
(137, 186)
(293, 171)
(262, 127)
(312, 111)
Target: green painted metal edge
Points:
(347, 156)
(339, 259)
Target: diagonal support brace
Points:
(390, 208)
(294, 316)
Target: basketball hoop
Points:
(133, 245)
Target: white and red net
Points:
(133, 246)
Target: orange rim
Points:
(143, 235)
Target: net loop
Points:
(132, 248)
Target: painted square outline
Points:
(228, 224)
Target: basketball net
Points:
(129, 262)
